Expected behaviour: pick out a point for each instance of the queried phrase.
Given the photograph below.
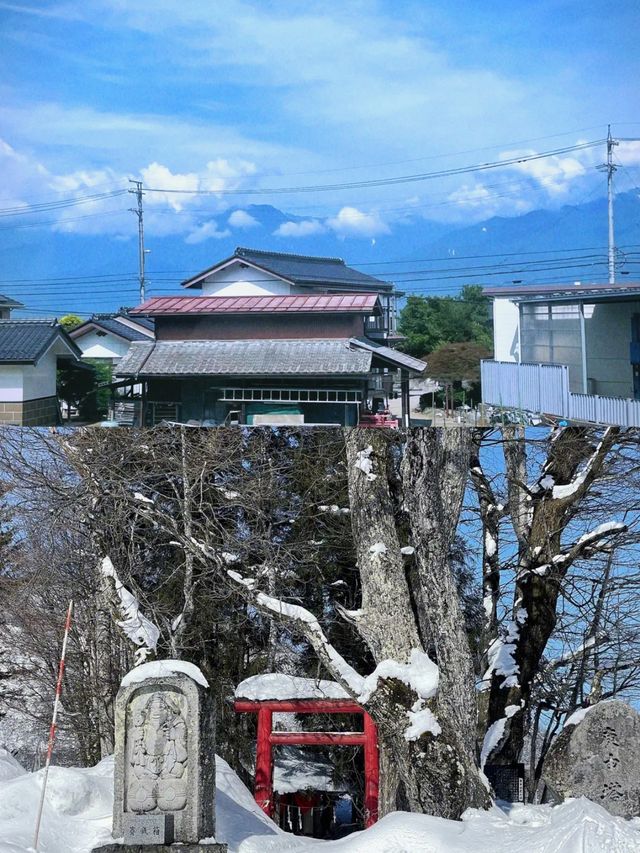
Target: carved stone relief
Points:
(156, 775)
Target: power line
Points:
(60, 204)
(380, 182)
(123, 275)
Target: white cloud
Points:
(555, 173)
(628, 153)
(350, 221)
(206, 231)
(157, 176)
(242, 219)
(299, 229)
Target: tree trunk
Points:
(539, 516)
(437, 773)
(104, 669)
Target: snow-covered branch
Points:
(143, 633)
(303, 620)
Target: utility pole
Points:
(138, 211)
(610, 168)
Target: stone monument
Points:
(597, 755)
(164, 785)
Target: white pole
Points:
(52, 730)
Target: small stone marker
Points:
(599, 758)
(164, 785)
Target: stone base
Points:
(205, 847)
(41, 412)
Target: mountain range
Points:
(56, 272)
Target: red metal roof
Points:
(321, 302)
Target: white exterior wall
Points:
(506, 337)
(102, 346)
(235, 280)
(40, 378)
(608, 335)
(11, 383)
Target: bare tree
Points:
(553, 576)
(339, 552)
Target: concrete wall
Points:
(505, 330)
(608, 335)
(239, 280)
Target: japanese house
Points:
(568, 351)
(270, 338)
(31, 351)
(106, 337)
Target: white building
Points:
(569, 351)
(107, 337)
(30, 353)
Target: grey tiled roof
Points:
(112, 323)
(8, 302)
(145, 322)
(401, 359)
(121, 329)
(24, 341)
(245, 358)
(304, 270)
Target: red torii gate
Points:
(267, 739)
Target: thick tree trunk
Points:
(437, 772)
(435, 469)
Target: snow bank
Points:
(162, 669)
(9, 767)
(77, 817)
(275, 685)
(578, 826)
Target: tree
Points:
(76, 386)
(561, 575)
(70, 322)
(409, 601)
(457, 362)
(428, 322)
(349, 554)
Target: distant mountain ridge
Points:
(421, 256)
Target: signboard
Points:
(148, 829)
(507, 781)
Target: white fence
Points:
(544, 389)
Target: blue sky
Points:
(235, 94)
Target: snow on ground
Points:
(77, 817)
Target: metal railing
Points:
(544, 388)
